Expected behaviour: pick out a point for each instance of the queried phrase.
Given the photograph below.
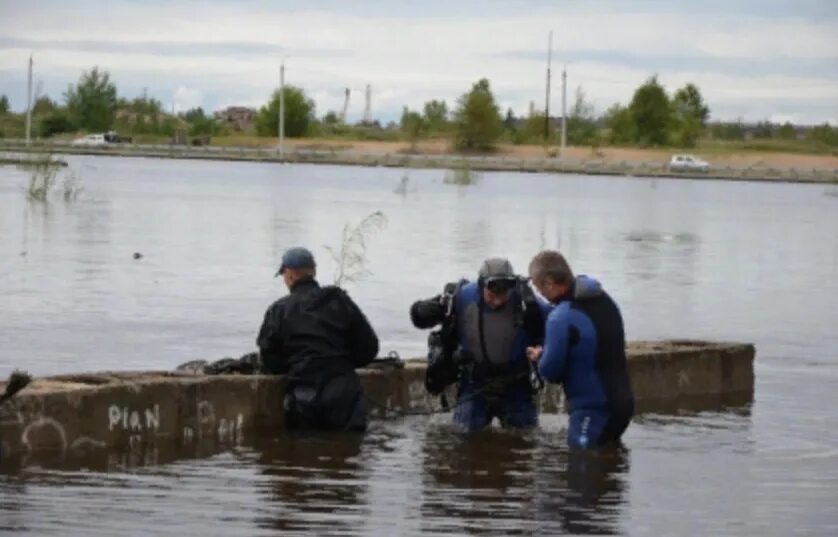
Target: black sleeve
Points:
(362, 338)
(534, 321)
(427, 313)
(269, 341)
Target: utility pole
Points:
(547, 96)
(281, 118)
(368, 105)
(564, 108)
(29, 104)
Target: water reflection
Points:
(583, 494)
(514, 483)
(316, 481)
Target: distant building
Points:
(239, 118)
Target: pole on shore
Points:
(281, 118)
(547, 93)
(29, 104)
(564, 108)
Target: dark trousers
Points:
(514, 407)
(589, 429)
(334, 404)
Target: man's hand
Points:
(534, 353)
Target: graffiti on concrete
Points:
(45, 428)
(133, 420)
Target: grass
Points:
(461, 176)
(804, 147)
(42, 179)
(350, 258)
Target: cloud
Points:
(186, 99)
(751, 59)
(242, 49)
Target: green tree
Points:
(299, 114)
(620, 124)
(728, 131)
(764, 130)
(58, 121)
(510, 121)
(141, 115)
(331, 118)
(825, 134)
(530, 130)
(689, 116)
(581, 124)
(436, 115)
(92, 102)
(199, 123)
(787, 131)
(413, 125)
(43, 106)
(477, 119)
(650, 112)
(4, 104)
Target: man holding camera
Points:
(487, 326)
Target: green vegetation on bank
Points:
(652, 118)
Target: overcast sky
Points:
(754, 59)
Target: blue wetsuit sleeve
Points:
(556, 344)
(544, 305)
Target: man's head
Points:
(297, 264)
(551, 275)
(497, 278)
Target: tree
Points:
(43, 106)
(764, 130)
(510, 122)
(581, 125)
(787, 131)
(299, 114)
(530, 130)
(689, 116)
(412, 125)
(331, 118)
(141, 115)
(650, 112)
(825, 134)
(621, 126)
(4, 104)
(199, 123)
(57, 122)
(728, 131)
(92, 102)
(477, 119)
(436, 115)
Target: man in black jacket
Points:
(318, 337)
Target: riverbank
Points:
(608, 162)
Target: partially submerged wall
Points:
(77, 413)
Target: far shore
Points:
(725, 165)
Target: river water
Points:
(684, 259)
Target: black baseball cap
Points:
(296, 258)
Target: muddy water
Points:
(714, 260)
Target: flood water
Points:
(684, 259)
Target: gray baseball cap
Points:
(296, 258)
(496, 268)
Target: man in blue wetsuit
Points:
(585, 350)
(487, 327)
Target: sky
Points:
(752, 59)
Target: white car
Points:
(90, 140)
(688, 163)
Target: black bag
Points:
(441, 370)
